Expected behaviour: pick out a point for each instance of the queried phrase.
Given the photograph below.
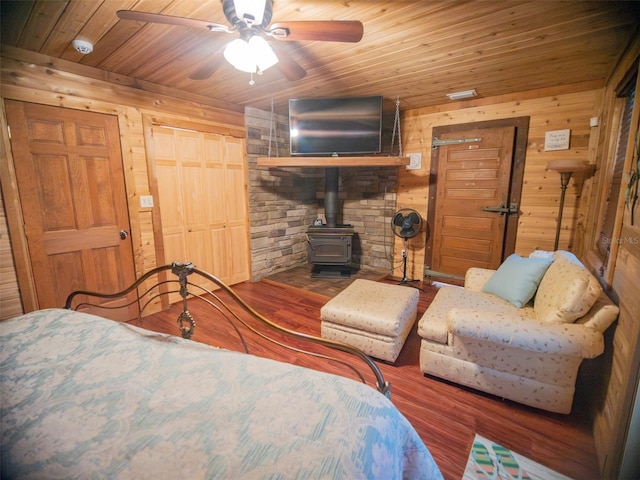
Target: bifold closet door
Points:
(203, 201)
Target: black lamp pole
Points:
(564, 181)
(565, 167)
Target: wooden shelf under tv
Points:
(377, 161)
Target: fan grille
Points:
(406, 223)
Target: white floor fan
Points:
(406, 223)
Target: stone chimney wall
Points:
(368, 200)
(283, 202)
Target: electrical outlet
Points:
(146, 201)
(415, 161)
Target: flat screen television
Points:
(335, 126)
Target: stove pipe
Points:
(331, 196)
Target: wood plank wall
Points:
(31, 77)
(620, 276)
(541, 190)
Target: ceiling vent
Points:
(462, 95)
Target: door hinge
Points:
(437, 142)
(9, 131)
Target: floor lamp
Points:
(565, 168)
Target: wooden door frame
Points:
(521, 125)
(13, 206)
(15, 220)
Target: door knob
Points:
(123, 234)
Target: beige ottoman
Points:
(374, 317)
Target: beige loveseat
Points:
(531, 354)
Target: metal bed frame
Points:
(187, 324)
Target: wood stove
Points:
(329, 245)
(329, 250)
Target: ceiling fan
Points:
(251, 52)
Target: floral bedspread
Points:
(85, 397)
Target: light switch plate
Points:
(415, 161)
(146, 201)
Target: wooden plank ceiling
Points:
(417, 51)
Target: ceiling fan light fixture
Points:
(250, 11)
(237, 54)
(254, 55)
(262, 52)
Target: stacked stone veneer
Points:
(283, 202)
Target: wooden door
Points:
(201, 181)
(472, 177)
(70, 178)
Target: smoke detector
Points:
(83, 46)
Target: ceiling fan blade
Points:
(323, 31)
(171, 20)
(209, 66)
(288, 66)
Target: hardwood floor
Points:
(445, 415)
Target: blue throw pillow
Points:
(517, 279)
